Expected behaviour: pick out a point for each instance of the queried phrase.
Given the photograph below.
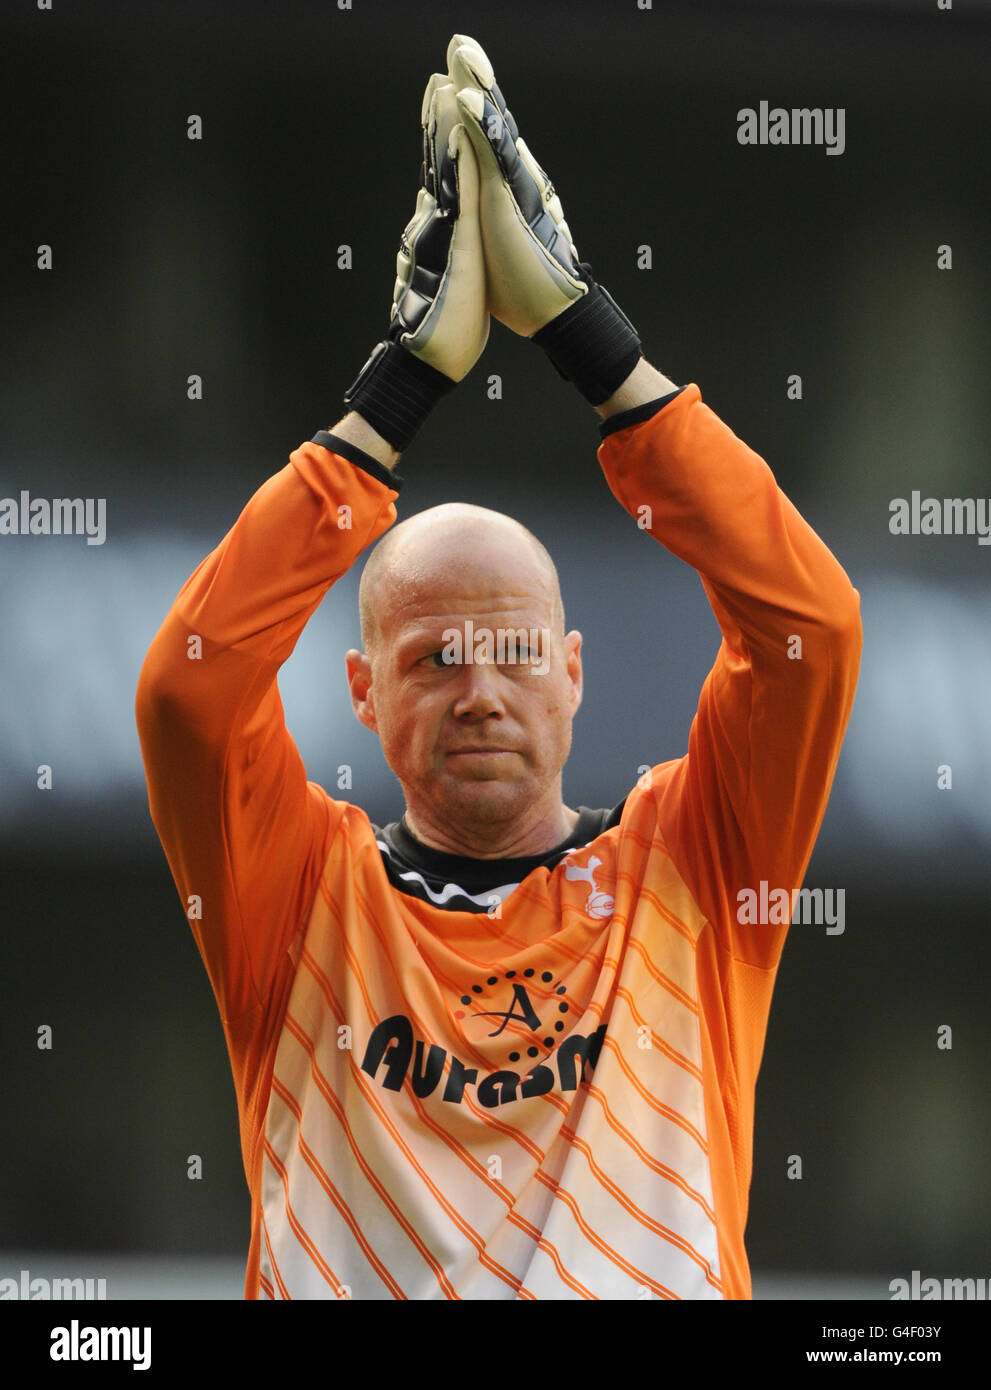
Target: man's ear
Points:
(573, 658)
(359, 669)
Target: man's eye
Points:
(434, 660)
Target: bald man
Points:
(495, 792)
(481, 774)
(500, 1048)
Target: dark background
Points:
(219, 257)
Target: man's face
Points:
(474, 715)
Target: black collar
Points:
(413, 866)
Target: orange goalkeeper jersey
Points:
(517, 1078)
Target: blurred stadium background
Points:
(219, 257)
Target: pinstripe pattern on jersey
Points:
(597, 1190)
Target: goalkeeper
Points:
(502, 1047)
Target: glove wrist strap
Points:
(395, 392)
(592, 344)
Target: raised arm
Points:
(746, 803)
(245, 834)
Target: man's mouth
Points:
(475, 752)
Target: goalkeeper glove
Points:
(439, 323)
(536, 284)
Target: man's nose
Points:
(479, 691)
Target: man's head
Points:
(468, 676)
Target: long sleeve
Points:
(629, 1170)
(746, 803)
(244, 832)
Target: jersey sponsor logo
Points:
(521, 1009)
(521, 1001)
(392, 1046)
